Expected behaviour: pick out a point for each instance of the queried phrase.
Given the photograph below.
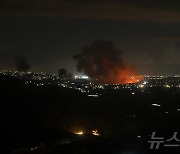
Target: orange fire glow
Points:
(125, 75)
(103, 62)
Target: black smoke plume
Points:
(103, 62)
(22, 64)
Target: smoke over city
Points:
(22, 64)
(103, 62)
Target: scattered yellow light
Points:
(167, 86)
(79, 133)
(95, 132)
(141, 85)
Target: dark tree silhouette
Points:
(22, 64)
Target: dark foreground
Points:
(43, 120)
(95, 145)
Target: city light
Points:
(95, 132)
(79, 133)
(156, 105)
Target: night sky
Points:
(49, 32)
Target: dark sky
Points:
(49, 32)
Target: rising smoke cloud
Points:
(22, 64)
(103, 62)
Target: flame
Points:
(79, 133)
(95, 132)
(128, 75)
(125, 75)
(103, 62)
